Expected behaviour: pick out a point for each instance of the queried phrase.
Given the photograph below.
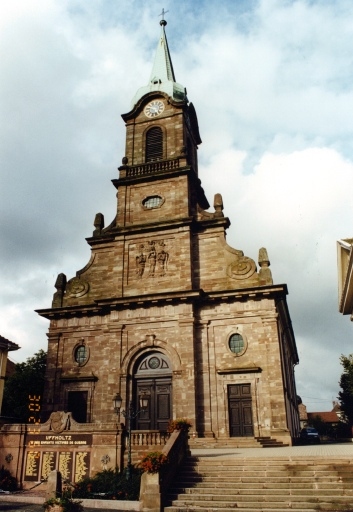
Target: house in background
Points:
(345, 276)
(326, 422)
(303, 415)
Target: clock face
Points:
(154, 108)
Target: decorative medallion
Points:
(154, 363)
(105, 460)
(152, 260)
(243, 268)
(9, 458)
(59, 421)
(76, 287)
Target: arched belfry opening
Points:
(154, 144)
(153, 379)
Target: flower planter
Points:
(54, 508)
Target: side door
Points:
(240, 410)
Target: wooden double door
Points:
(158, 392)
(240, 410)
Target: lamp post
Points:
(129, 415)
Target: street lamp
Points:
(129, 415)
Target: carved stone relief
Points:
(59, 421)
(241, 268)
(76, 287)
(152, 259)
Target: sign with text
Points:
(74, 440)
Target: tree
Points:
(346, 383)
(28, 380)
(318, 423)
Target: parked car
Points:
(309, 435)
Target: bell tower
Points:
(159, 176)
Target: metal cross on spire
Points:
(163, 22)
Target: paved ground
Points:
(28, 507)
(334, 451)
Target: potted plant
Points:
(153, 462)
(179, 424)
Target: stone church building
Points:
(165, 309)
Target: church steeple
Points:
(162, 77)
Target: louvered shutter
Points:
(154, 144)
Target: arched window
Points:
(154, 144)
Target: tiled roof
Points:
(327, 417)
(7, 344)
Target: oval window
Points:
(152, 202)
(80, 355)
(236, 343)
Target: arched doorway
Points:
(153, 379)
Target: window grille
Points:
(152, 202)
(81, 354)
(236, 343)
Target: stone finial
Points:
(60, 285)
(98, 224)
(264, 262)
(218, 205)
(263, 258)
(125, 160)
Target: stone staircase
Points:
(278, 484)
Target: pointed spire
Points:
(162, 68)
(162, 76)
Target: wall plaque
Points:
(74, 440)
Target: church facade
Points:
(165, 309)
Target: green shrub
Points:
(110, 485)
(7, 481)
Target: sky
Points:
(271, 81)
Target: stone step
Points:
(265, 472)
(262, 508)
(284, 461)
(260, 486)
(263, 485)
(268, 462)
(267, 442)
(298, 491)
(241, 442)
(257, 503)
(202, 499)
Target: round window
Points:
(154, 363)
(80, 355)
(236, 343)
